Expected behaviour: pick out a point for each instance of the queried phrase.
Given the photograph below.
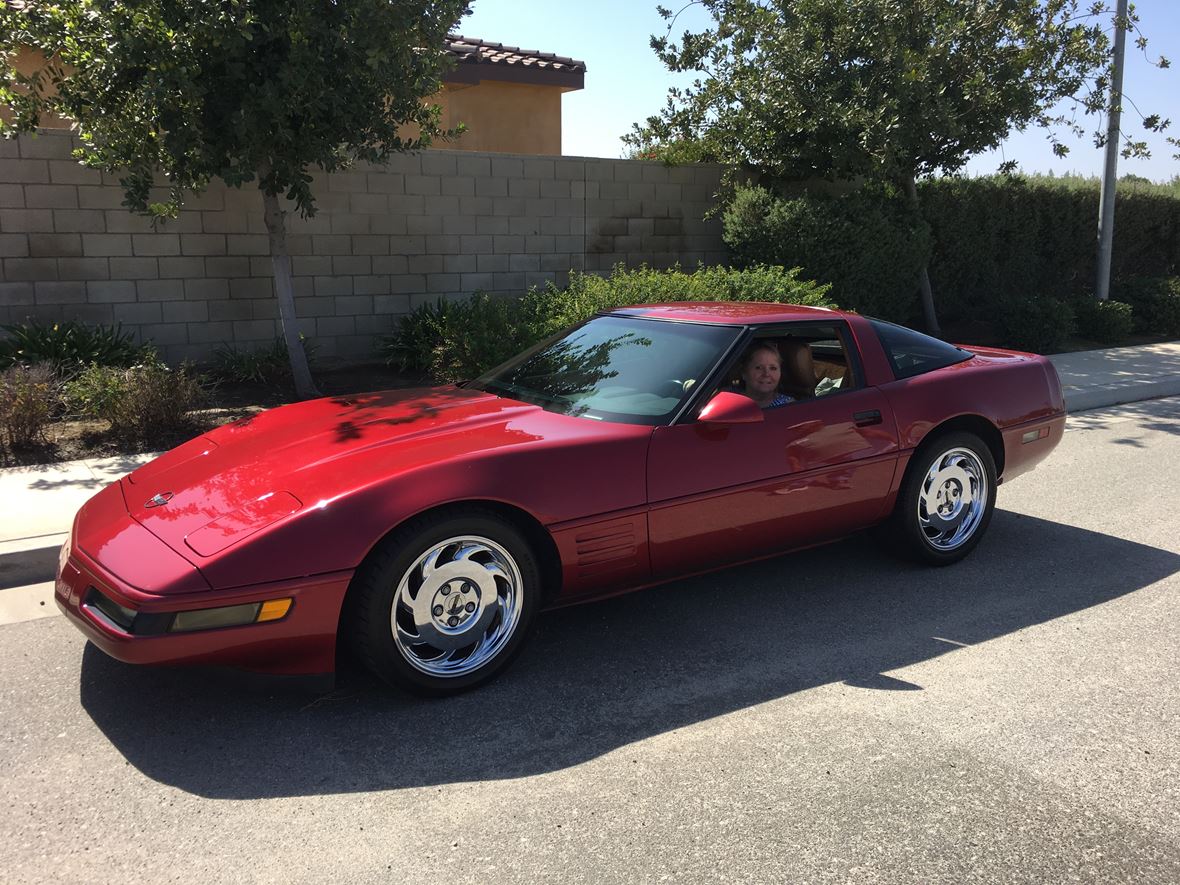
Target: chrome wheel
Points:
(952, 499)
(457, 606)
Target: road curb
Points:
(1118, 393)
(29, 560)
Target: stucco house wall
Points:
(509, 101)
(514, 118)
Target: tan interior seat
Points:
(798, 369)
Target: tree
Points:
(242, 90)
(882, 89)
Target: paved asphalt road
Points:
(833, 716)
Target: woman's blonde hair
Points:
(748, 357)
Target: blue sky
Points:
(625, 83)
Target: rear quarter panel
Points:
(1014, 392)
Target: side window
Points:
(912, 353)
(813, 360)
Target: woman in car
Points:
(761, 373)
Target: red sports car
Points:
(425, 529)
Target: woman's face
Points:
(762, 373)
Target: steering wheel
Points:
(675, 387)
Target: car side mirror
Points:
(730, 408)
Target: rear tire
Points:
(446, 602)
(946, 499)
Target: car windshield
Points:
(626, 369)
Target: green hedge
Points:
(868, 245)
(993, 243)
(452, 340)
(1156, 303)
(997, 237)
(1039, 324)
(1107, 322)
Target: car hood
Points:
(217, 489)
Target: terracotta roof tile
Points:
(473, 51)
(513, 63)
(468, 50)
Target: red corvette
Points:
(424, 529)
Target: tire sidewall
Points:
(376, 587)
(930, 451)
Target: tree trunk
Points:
(931, 318)
(285, 291)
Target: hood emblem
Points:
(159, 500)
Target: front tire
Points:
(947, 498)
(445, 603)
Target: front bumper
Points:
(135, 628)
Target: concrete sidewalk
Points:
(1093, 379)
(40, 501)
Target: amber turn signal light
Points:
(274, 609)
(231, 615)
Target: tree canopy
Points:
(179, 92)
(889, 90)
(198, 89)
(884, 88)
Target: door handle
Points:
(865, 419)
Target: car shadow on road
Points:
(599, 677)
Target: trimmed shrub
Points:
(69, 346)
(29, 396)
(1107, 322)
(550, 309)
(139, 402)
(1156, 301)
(1039, 325)
(869, 245)
(263, 365)
(452, 340)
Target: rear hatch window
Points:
(912, 353)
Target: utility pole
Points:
(1110, 170)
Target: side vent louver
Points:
(606, 547)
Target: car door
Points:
(813, 470)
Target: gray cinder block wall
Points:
(385, 239)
